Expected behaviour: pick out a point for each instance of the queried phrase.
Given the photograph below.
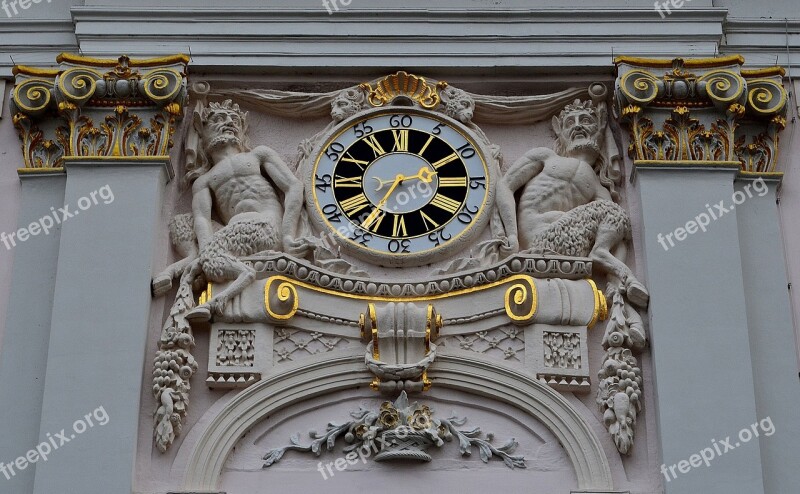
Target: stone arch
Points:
(293, 385)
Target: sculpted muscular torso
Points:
(563, 206)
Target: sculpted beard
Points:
(224, 136)
(590, 144)
(589, 141)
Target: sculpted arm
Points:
(292, 188)
(527, 167)
(520, 173)
(202, 204)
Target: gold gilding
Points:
(286, 292)
(695, 63)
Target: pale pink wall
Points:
(158, 473)
(790, 202)
(10, 160)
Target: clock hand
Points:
(381, 183)
(424, 174)
(397, 181)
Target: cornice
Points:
(467, 41)
(51, 38)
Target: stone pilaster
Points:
(694, 126)
(107, 125)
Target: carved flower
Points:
(420, 419)
(388, 418)
(361, 430)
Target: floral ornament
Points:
(420, 420)
(403, 432)
(389, 417)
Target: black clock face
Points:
(400, 183)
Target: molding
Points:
(40, 172)
(681, 164)
(460, 40)
(293, 385)
(776, 177)
(763, 41)
(51, 38)
(126, 161)
(694, 63)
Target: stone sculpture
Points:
(565, 206)
(236, 182)
(404, 431)
(238, 185)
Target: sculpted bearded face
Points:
(346, 104)
(579, 127)
(223, 125)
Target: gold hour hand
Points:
(425, 174)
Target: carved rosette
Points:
(701, 110)
(101, 108)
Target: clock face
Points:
(400, 186)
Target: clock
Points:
(400, 186)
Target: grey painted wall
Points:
(769, 317)
(23, 361)
(97, 342)
(698, 330)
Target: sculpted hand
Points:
(297, 247)
(508, 246)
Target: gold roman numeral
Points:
(427, 219)
(373, 221)
(400, 140)
(430, 138)
(354, 204)
(444, 202)
(452, 181)
(349, 158)
(347, 181)
(372, 141)
(399, 228)
(445, 160)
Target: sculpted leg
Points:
(609, 238)
(162, 282)
(224, 268)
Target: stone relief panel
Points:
(546, 463)
(236, 348)
(504, 343)
(299, 260)
(290, 345)
(562, 350)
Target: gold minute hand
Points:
(397, 181)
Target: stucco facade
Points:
(84, 317)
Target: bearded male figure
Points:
(240, 185)
(564, 206)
